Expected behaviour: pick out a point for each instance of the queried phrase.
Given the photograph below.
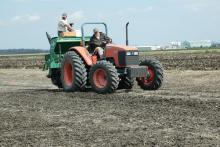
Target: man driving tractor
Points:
(63, 25)
(98, 42)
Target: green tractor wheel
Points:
(73, 72)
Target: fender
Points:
(83, 52)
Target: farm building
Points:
(189, 44)
(174, 45)
(202, 43)
(179, 45)
(148, 48)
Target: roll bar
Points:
(92, 23)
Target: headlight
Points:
(132, 53)
(136, 53)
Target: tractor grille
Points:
(126, 60)
(132, 60)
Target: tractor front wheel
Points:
(126, 83)
(103, 77)
(73, 72)
(155, 78)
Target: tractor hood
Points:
(121, 47)
(122, 55)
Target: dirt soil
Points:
(22, 61)
(184, 112)
(182, 60)
(187, 60)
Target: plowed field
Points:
(184, 112)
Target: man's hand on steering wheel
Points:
(110, 41)
(107, 42)
(104, 43)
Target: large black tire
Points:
(155, 80)
(56, 77)
(126, 83)
(103, 77)
(73, 72)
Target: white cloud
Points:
(25, 18)
(21, 19)
(34, 18)
(77, 16)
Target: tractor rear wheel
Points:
(126, 83)
(55, 77)
(103, 77)
(155, 79)
(73, 72)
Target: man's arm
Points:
(106, 38)
(67, 25)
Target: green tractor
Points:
(73, 68)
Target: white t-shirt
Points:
(61, 25)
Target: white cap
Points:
(64, 15)
(95, 30)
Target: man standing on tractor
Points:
(98, 42)
(63, 25)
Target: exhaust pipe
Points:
(127, 43)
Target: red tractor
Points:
(117, 70)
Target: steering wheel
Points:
(107, 42)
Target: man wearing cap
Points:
(98, 42)
(63, 25)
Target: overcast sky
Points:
(23, 23)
